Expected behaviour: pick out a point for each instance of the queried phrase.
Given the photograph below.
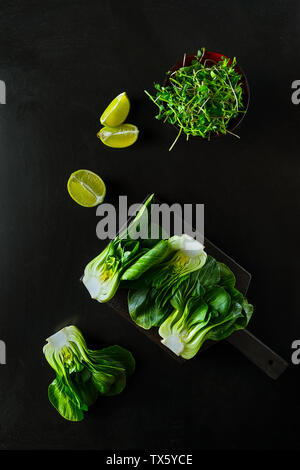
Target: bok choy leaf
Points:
(154, 256)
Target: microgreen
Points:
(201, 98)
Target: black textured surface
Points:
(62, 62)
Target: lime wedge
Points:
(116, 112)
(86, 188)
(119, 137)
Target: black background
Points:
(62, 62)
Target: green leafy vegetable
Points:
(204, 311)
(83, 374)
(200, 99)
(103, 274)
(154, 256)
(147, 303)
(173, 285)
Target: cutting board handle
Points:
(258, 353)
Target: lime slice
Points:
(86, 188)
(119, 137)
(116, 112)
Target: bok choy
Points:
(148, 301)
(205, 306)
(83, 374)
(103, 274)
(172, 284)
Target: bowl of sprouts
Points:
(205, 94)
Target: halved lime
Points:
(119, 137)
(86, 188)
(116, 112)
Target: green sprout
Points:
(201, 98)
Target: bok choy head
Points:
(103, 274)
(83, 374)
(189, 254)
(203, 313)
(65, 350)
(148, 301)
